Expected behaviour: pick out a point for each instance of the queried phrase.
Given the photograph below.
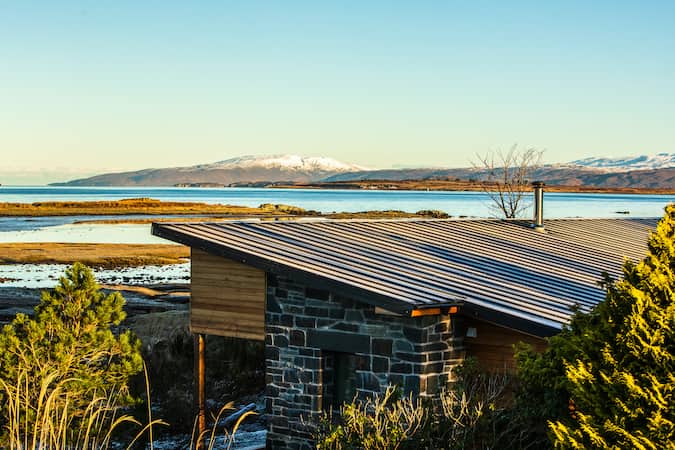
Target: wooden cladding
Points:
(493, 345)
(228, 298)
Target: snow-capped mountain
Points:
(235, 171)
(285, 162)
(643, 162)
(657, 171)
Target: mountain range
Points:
(647, 171)
(643, 162)
(244, 169)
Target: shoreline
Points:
(458, 186)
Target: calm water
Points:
(454, 203)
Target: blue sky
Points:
(92, 86)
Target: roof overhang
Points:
(518, 323)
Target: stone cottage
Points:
(346, 308)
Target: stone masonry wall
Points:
(305, 325)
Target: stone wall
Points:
(306, 326)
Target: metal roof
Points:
(498, 270)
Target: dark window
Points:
(339, 379)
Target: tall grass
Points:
(52, 421)
(381, 422)
(197, 441)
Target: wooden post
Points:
(199, 397)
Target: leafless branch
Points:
(505, 177)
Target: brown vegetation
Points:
(460, 185)
(147, 220)
(139, 206)
(389, 214)
(95, 255)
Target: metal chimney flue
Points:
(538, 221)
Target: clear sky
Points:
(95, 86)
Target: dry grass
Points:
(138, 206)
(191, 219)
(207, 439)
(389, 214)
(51, 420)
(96, 255)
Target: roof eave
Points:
(520, 324)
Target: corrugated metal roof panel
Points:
(503, 270)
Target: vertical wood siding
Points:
(493, 346)
(228, 298)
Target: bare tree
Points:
(505, 177)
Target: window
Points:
(339, 379)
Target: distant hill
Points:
(652, 179)
(654, 172)
(553, 174)
(645, 171)
(245, 169)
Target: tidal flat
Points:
(135, 206)
(96, 255)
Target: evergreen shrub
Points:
(68, 359)
(608, 380)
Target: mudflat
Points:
(139, 206)
(95, 255)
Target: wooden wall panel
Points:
(228, 298)
(493, 345)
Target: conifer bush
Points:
(624, 392)
(608, 380)
(68, 354)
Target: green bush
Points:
(66, 359)
(608, 380)
(542, 394)
(622, 378)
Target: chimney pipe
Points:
(538, 222)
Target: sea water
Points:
(457, 203)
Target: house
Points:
(348, 307)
